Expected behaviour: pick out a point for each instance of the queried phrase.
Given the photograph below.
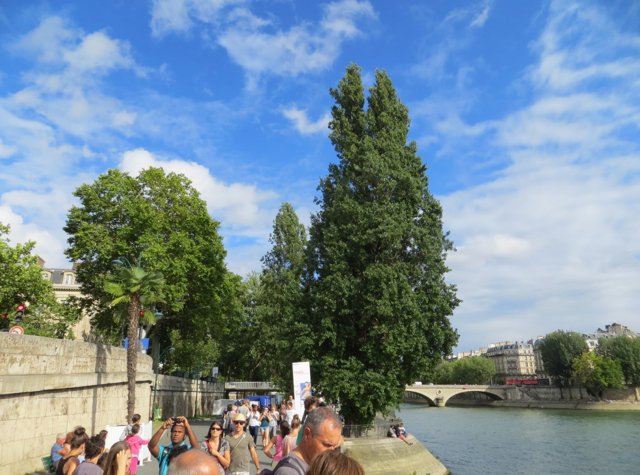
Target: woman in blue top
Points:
(265, 419)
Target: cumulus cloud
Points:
(178, 15)
(551, 240)
(242, 208)
(302, 123)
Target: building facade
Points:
(513, 361)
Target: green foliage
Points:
(474, 370)
(442, 373)
(161, 219)
(626, 351)
(21, 283)
(377, 302)
(558, 350)
(194, 357)
(595, 372)
(263, 340)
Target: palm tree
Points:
(136, 288)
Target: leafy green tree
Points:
(378, 303)
(442, 373)
(138, 289)
(558, 351)
(626, 351)
(474, 370)
(595, 373)
(160, 219)
(21, 283)
(194, 357)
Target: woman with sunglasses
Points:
(217, 446)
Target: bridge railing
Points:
(248, 385)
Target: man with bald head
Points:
(194, 462)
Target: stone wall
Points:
(179, 396)
(388, 456)
(48, 386)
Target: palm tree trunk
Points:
(132, 354)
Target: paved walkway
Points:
(200, 428)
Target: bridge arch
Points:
(421, 395)
(438, 395)
(461, 395)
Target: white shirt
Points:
(255, 419)
(290, 414)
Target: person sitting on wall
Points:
(57, 450)
(180, 430)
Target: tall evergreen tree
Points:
(378, 303)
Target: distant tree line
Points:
(474, 370)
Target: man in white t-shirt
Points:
(290, 412)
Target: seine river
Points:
(471, 441)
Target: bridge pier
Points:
(440, 402)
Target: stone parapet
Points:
(50, 386)
(390, 456)
(186, 397)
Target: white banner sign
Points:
(301, 384)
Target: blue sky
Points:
(526, 114)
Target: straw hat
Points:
(240, 417)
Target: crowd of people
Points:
(296, 446)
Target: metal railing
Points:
(375, 431)
(244, 385)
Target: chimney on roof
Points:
(76, 264)
(40, 261)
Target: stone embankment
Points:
(389, 456)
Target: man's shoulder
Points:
(292, 465)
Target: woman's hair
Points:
(296, 416)
(285, 430)
(93, 447)
(103, 434)
(175, 452)
(310, 402)
(69, 437)
(111, 466)
(331, 462)
(79, 437)
(102, 461)
(135, 428)
(295, 423)
(229, 407)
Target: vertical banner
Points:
(301, 384)
(214, 372)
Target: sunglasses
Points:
(239, 423)
(216, 428)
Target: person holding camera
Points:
(180, 430)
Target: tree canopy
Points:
(160, 220)
(21, 283)
(377, 301)
(558, 351)
(626, 351)
(595, 373)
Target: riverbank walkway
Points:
(200, 427)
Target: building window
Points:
(45, 276)
(68, 279)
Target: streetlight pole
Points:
(155, 385)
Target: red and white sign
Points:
(18, 330)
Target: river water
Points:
(489, 440)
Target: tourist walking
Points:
(92, 453)
(68, 464)
(135, 441)
(217, 446)
(277, 441)
(322, 432)
(289, 442)
(135, 419)
(118, 460)
(274, 421)
(254, 424)
(283, 413)
(180, 430)
(265, 420)
(242, 448)
(228, 420)
(310, 404)
(245, 410)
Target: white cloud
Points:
(300, 49)
(551, 240)
(240, 207)
(482, 17)
(302, 123)
(6, 150)
(176, 15)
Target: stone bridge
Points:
(438, 395)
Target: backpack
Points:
(289, 462)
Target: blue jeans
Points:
(254, 433)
